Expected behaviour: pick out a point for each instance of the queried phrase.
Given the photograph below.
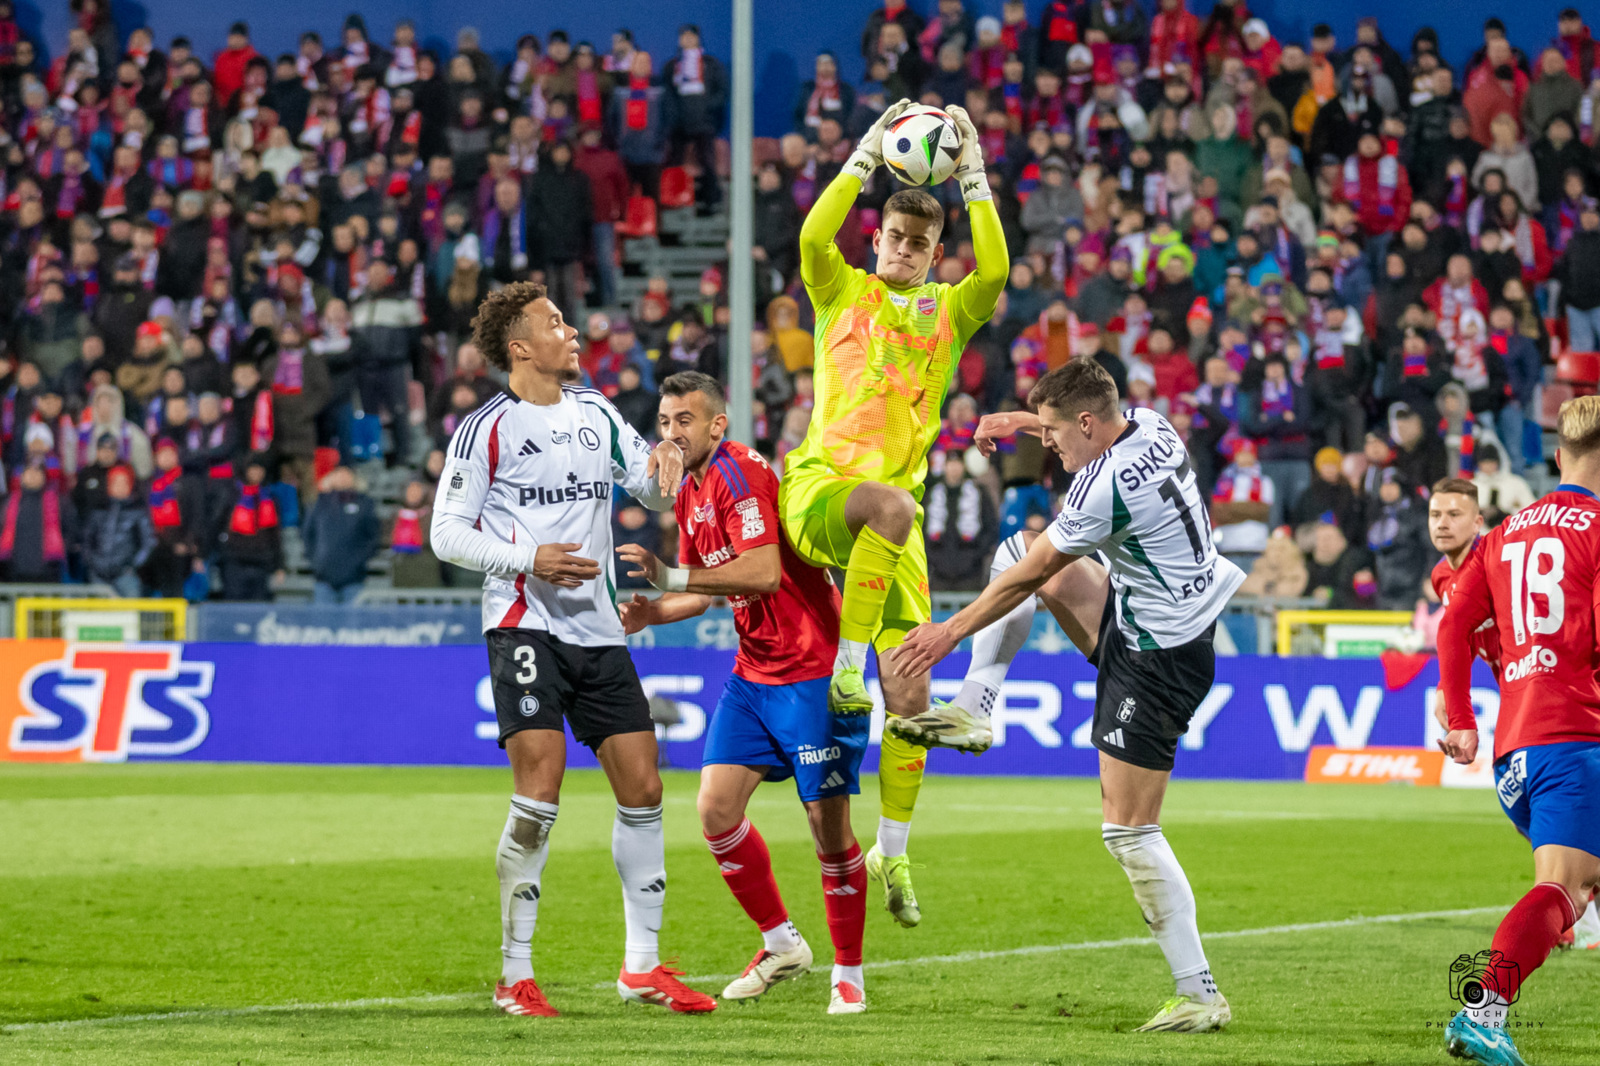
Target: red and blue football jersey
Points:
(785, 636)
(1537, 575)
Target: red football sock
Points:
(844, 894)
(747, 867)
(1527, 935)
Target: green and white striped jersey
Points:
(1139, 503)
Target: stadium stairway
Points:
(685, 245)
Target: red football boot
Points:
(524, 997)
(662, 988)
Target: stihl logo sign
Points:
(1370, 766)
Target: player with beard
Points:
(772, 721)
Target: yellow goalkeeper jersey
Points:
(885, 356)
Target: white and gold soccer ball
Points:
(922, 146)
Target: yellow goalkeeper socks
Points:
(900, 766)
(867, 581)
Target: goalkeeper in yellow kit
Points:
(887, 345)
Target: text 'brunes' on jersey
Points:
(576, 489)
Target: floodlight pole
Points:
(741, 272)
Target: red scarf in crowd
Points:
(825, 97)
(1456, 198)
(254, 512)
(164, 510)
(1388, 183)
(1237, 486)
(289, 377)
(637, 112)
(407, 538)
(1328, 349)
(55, 549)
(1011, 35)
(1063, 27)
(588, 96)
(1567, 213)
(261, 422)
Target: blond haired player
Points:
(886, 348)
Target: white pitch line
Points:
(883, 964)
(1141, 941)
(240, 1012)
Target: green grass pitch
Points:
(348, 915)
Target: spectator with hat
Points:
(1050, 205)
(1397, 537)
(341, 534)
(1500, 492)
(118, 537)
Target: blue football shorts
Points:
(789, 729)
(1551, 793)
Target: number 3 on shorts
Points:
(530, 669)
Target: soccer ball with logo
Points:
(922, 146)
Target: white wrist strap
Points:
(672, 578)
(861, 164)
(974, 183)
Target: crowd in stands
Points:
(233, 283)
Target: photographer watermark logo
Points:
(1477, 981)
(1480, 983)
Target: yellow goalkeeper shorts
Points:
(812, 509)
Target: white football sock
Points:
(852, 655)
(1165, 899)
(519, 862)
(892, 837)
(1492, 1015)
(996, 644)
(638, 847)
(1587, 931)
(780, 938)
(851, 974)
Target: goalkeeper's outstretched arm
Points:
(979, 291)
(821, 265)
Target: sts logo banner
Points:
(100, 702)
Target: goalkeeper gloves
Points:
(868, 155)
(969, 173)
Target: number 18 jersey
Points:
(1140, 504)
(1537, 575)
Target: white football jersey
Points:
(1139, 503)
(527, 473)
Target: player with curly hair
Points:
(525, 497)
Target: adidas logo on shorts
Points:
(834, 780)
(1114, 738)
